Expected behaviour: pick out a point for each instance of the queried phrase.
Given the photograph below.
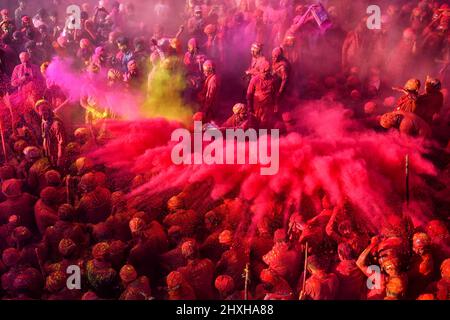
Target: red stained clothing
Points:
(208, 95)
(351, 281)
(54, 136)
(26, 73)
(45, 216)
(261, 97)
(199, 273)
(23, 206)
(95, 206)
(324, 287)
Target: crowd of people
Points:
(59, 208)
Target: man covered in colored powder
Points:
(262, 95)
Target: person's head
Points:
(212, 220)
(370, 107)
(137, 226)
(43, 29)
(390, 262)
(264, 68)
(226, 238)
(268, 276)
(192, 45)
(87, 182)
(55, 281)
(26, 21)
(240, 110)
(6, 27)
(345, 228)
(24, 57)
(316, 264)
(445, 269)
(32, 153)
(345, 252)
(409, 37)
(12, 188)
(44, 109)
(388, 120)
(85, 43)
(100, 52)
(10, 257)
(22, 4)
(198, 12)
(432, 85)
(49, 196)
(277, 54)
(4, 14)
(122, 44)
(437, 230)
(412, 85)
(175, 203)
(421, 243)
(210, 30)
(113, 36)
(128, 274)
(114, 76)
(21, 235)
(66, 212)
(189, 249)
(279, 236)
(174, 282)
(158, 31)
(289, 41)
(30, 46)
(208, 68)
(394, 289)
(132, 66)
(83, 165)
(256, 50)
(100, 251)
(82, 135)
(62, 41)
(7, 172)
(67, 247)
(258, 15)
(53, 178)
(224, 284)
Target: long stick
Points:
(407, 179)
(3, 142)
(41, 267)
(305, 266)
(246, 273)
(7, 101)
(68, 189)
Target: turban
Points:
(128, 273)
(224, 283)
(66, 247)
(12, 188)
(100, 251)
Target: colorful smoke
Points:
(330, 153)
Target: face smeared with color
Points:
(45, 112)
(24, 57)
(389, 262)
(255, 51)
(132, 66)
